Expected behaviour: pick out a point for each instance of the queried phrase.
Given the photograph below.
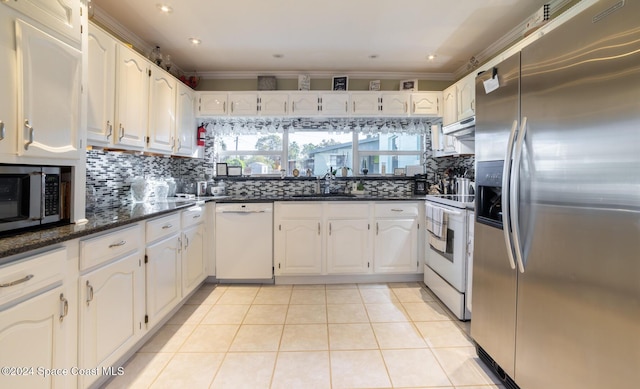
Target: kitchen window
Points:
(269, 151)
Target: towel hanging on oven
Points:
(437, 227)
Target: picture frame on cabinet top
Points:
(409, 85)
(221, 169)
(340, 83)
(374, 85)
(304, 82)
(267, 83)
(234, 171)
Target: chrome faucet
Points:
(327, 181)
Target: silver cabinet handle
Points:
(121, 243)
(110, 127)
(224, 107)
(196, 216)
(346, 106)
(318, 228)
(293, 106)
(167, 226)
(179, 144)
(186, 242)
(2, 132)
(121, 132)
(329, 229)
(64, 307)
(179, 244)
(89, 293)
(406, 107)
(414, 108)
(377, 228)
(31, 134)
(397, 210)
(354, 106)
(285, 107)
(16, 282)
(232, 107)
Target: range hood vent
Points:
(463, 130)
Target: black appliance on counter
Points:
(421, 186)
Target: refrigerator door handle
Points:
(506, 178)
(513, 201)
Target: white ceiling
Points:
(332, 36)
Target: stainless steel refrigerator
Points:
(556, 278)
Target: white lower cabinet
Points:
(348, 246)
(297, 239)
(164, 273)
(110, 299)
(37, 322)
(396, 238)
(194, 267)
(358, 237)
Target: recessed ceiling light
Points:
(164, 8)
(373, 56)
(278, 55)
(195, 41)
(431, 57)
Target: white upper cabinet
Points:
(365, 103)
(466, 96)
(426, 103)
(212, 103)
(132, 99)
(101, 55)
(243, 104)
(334, 104)
(185, 122)
(63, 16)
(450, 114)
(304, 104)
(8, 103)
(394, 104)
(48, 112)
(274, 103)
(162, 111)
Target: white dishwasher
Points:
(244, 241)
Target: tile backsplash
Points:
(110, 174)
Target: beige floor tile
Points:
(463, 366)
(210, 338)
(377, 296)
(426, 311)
(414, 368)
(238, 295)
(443, 334)
(399, 285)
(273, 295)
(260, 337)
(189, 314)
(343, 296)
(226, 314)
(347, 313)
(308, 296)
(373, 285)
(384, 313)
(304, 337)
(306, 314)
(309, 286)
(358, 369)
(398, 335)
(353, 336)
(140, 371)
(341, 286)
(168, 339)
(413, 294)
(206, 295)
(480, 387)
(266, 314)
(306, 370)
(189, 371)
(245, 370)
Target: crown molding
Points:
(115, 27)
(355, 75)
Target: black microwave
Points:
(30, 196)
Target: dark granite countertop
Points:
(105, 219)
(97, 221)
